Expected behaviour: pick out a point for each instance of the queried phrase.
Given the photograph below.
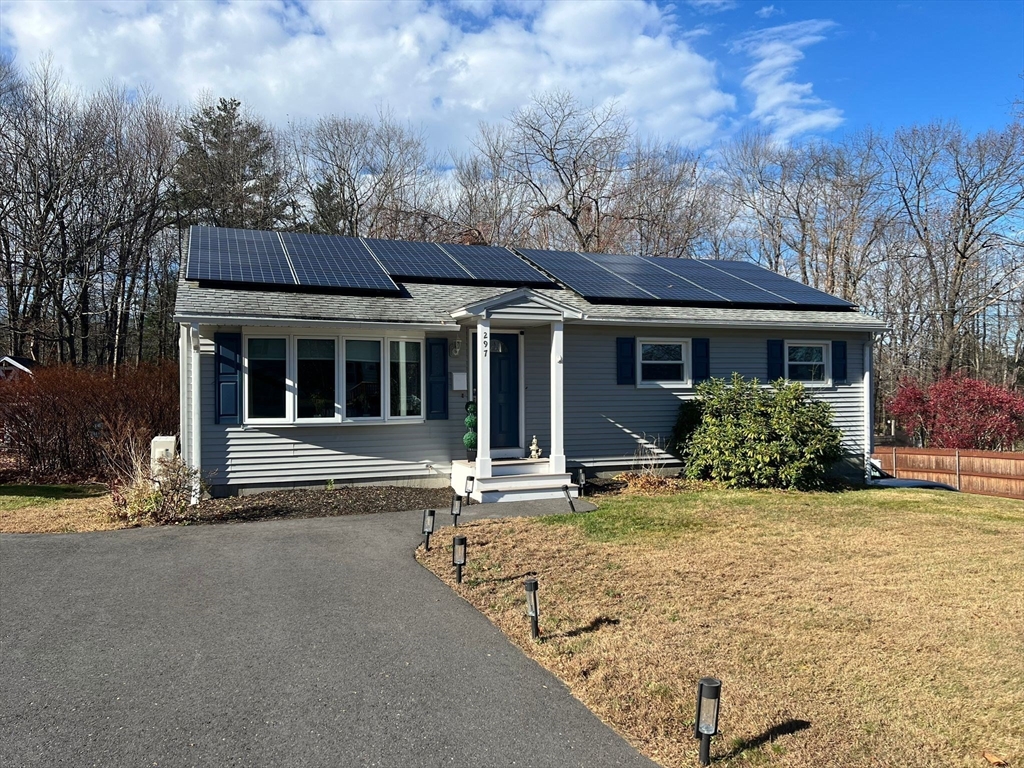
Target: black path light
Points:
(532, 609)
(456, 509)
(469, 485)
(705, 724)
(428, 527)
(458, 556)
(568, 497)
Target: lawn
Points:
(55, 509)
(865, 628)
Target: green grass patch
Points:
(20, 496)
(628, 518)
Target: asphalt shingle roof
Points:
(433, 304)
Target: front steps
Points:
(513, 480)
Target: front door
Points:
(505, 390)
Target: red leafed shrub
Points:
(960, 412)
(67, 423)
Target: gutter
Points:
(735, 323)
(263, 320)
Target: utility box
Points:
(162, 448)
(459, 381)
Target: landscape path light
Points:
(705, 724)
(428, 527)
(458, 556)
(532, 609)
(456, 509)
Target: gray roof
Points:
(429, 304)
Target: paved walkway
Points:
(285, 643)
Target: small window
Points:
(316, 376)
(405, 384)
(267, 378)
(807, 363)
(362, 379)
(663, 361)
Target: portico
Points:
(502, 470)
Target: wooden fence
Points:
(992, 473)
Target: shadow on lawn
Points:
(593, 626)
(782, 729)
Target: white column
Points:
(556, 458)
(483, 398)
(197, 410)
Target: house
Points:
(308, 358)
(11, 367)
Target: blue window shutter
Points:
(839, 362)
(625, 347)
(701, 360)
(228, 377)
(776, 359)
(437, 378)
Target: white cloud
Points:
(447, 66)
(712, 6)
(787, 107)
(767, 11)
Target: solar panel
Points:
(729, 287)
(795, 291)
(237, 256)
(416, 260)
(646, 274)
(499, 265)
(328, 261)
(586, 278)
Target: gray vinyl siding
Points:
(605, 421)
(293, 455)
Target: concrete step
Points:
(523, 488)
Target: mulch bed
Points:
(318, 502)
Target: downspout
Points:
(197, 413)
(869, 406)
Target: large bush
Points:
(67, 423)
(757, 437)
(960, 412)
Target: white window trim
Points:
(291, 379)
(294, 375)
(687, 364)
(826, 356)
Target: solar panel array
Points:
(612, 277)
(335, 262)
(355, 265)
(237, 256)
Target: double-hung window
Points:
(267, 391)
(663, 362)
(807, 362)
(316, 378)
(363, 383)
(406, 379)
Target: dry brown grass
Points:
(55, 509)
(890, 621)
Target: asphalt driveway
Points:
(287, 643)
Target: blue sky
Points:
(698, 71)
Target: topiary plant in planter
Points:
(469, 439)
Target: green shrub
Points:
(755, 437)
(469, 439)
(687, 421)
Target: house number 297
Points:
(486, 341)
